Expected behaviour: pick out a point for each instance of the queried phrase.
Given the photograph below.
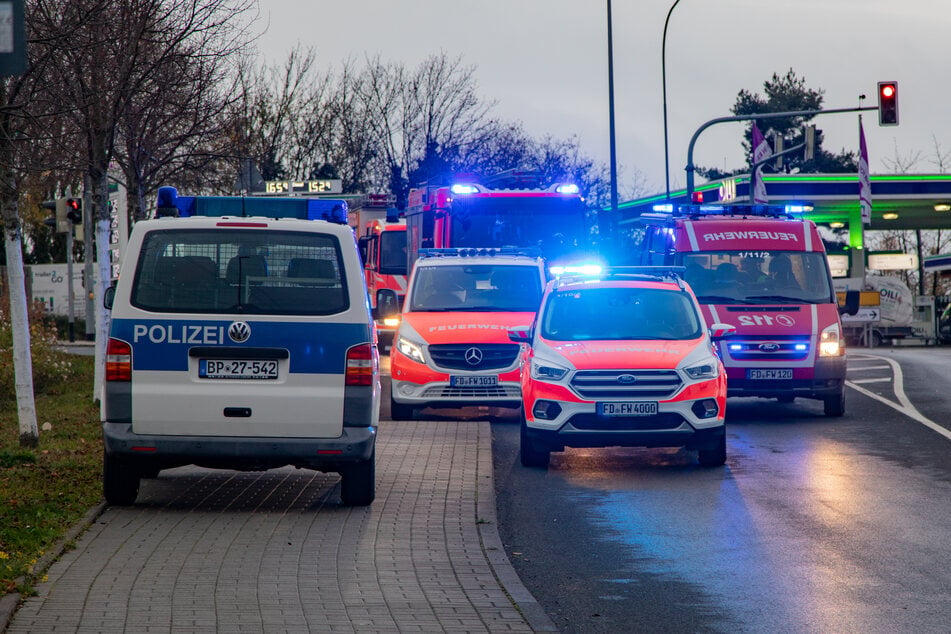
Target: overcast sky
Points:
(545, 63)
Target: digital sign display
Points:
(322, 186)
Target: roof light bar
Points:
(463, 188)
(567, 188)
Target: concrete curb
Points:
(10, 602)
(493, 548)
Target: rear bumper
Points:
(355, 444)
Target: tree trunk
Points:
(103, 226)
(19, 319)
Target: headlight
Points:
(547, 372)
(411, 349)
(830, 342)
(704, 371)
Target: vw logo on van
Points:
(473, 356)
(239, 331)
(768, 347)
(626, 378)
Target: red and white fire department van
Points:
(452, 347)
(764, 271)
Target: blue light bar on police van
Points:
(463, 188)
(567, 188)
(664, 207)
(169, 203)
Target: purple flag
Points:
(761, 152)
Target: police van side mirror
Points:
(109, 297)
(851, 305)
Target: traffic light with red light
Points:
(74, 210)
(887, 103)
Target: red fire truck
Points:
(383, 245)
(507, 210)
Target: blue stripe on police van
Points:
(163, 344)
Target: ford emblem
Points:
(626, 378)
(768, 347)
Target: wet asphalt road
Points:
(814, 525)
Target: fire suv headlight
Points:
(704, 371)
(547, 372)
(411, 349)
(830, 342)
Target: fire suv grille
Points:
(593, 422)
(625, 384)
(487, 356)
(487, 392)
(768, 350)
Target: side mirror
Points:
(386, 306)
(362, 244)
(851, 305)
(520, 334)
(719, 331)
(109, 297)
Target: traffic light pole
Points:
(772, 158)
(753, 117)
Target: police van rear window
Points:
(240, 271)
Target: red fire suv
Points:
(622, 359)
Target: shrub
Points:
(52, 368)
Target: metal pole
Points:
(753, 117)
(663, 72)
(614, 196)
(69, 282)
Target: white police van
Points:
(240, 342)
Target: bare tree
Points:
(115, 53)
(902, 164)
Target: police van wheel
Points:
(399, 411)
(358, 483)
(531, 455)
(835, 405)
(713, 456)
(120, 481)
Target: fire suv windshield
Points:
(620, 313)
(476, 287)
(759, 277)
(556, 225)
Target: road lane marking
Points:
(904, 406)
(886, 379)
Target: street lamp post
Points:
(663, 72)
(613, 159)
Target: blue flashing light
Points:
(665, 208)
(735, 347)
(576, 269)
(798, 208)
(462, 189)
(568, 189)
(801, 347)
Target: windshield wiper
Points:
(781, 298)
(707, 299)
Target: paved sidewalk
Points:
(223, 551)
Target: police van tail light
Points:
(830, 342)
(118, 361)
(362, 365)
